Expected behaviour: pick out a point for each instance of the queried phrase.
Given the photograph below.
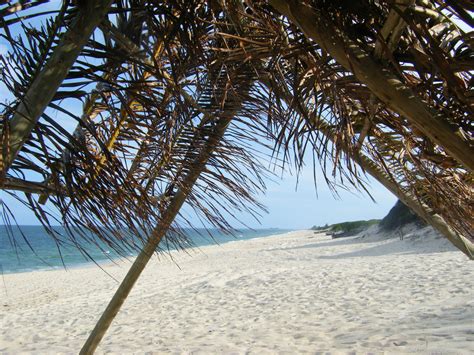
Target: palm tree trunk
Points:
(383, 83)
(195, 169)
(227, 112)
(44, 87)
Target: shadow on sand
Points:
(331, 243)
(401, 248)
(392, 246)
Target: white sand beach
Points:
(299, 292)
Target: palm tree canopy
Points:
(381, 84)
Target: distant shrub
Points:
(320, 228)
(348, 228)
(353, 227)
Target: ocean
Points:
(17, 256)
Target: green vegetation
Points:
(320, 228)
(353, 227)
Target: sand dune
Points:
(294, 293)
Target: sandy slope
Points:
(294, 293)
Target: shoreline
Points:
(296, 292)
(130, 258)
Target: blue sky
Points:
(303, 209)
(289, 208)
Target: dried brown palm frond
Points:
(351, 38)
(135, 133)
(393, 175)
(141, 85)
(223, 99)
(361, 122)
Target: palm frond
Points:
(146, 79)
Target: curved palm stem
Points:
(421, 209)
(226, 105)
(195, 169)
(381, 81)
